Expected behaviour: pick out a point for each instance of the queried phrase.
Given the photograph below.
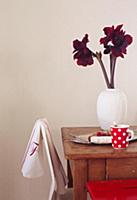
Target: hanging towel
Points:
(33, 161)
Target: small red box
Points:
(113, 189)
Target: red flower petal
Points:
(108, 30)
(118, 27)
(85, 39)
(102, 40)
(128, 39)
(76, 44)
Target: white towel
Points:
(32, 162)
(33, 165)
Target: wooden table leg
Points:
(79, 179)
(69, 174)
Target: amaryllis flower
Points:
(82, 53)
(115, 41)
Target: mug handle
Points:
(131, 132)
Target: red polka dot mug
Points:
(120, 136)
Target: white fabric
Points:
(33, 158)
(32, 161)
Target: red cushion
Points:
(113, 189)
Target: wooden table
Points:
(96, 162)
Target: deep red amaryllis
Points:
(116, 41)
(82, 53)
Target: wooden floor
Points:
(68, 196)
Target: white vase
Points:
(111, 108)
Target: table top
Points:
(74, 151)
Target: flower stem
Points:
(111, 66)
(98, 56)
(112, 70)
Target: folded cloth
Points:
(32, 165)
(33, 161)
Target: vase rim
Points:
(112, 89)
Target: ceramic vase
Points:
(111, 108)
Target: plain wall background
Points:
(38, 77)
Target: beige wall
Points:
(38, 77)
